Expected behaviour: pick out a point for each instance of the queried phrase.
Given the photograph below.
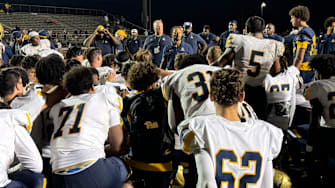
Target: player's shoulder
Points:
(15, 116)
(263, 126)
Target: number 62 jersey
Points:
(232, 153)
(254, 57)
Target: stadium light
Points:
(262, 6)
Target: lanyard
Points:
(159, 39)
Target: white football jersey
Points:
(281, 96)
(191, 85)
(237, 150)
(14, 138)
(81, 125)
(110, 91)
(245, 111)
(324, 91)
(32, 102)
(254, 57)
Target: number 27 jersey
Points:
(254, 56)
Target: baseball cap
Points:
(134, 31)
(43, 34)
(1, 31)
(187, 24)
(32, 34)
(121, 32)
(100, 27)
(233, 21)
(16, 35)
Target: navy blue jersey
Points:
(305, 39)
(106, 45)
(170, 52)
(156, 45)
(193, 39)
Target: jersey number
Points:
(228, 177)
(283, 87)
(202, 83)
(331, 96)
(75, 127)
(255, 64)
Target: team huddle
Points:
(172, 118)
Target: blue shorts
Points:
(109, 172)
(26, 179)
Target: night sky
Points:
(216, 13)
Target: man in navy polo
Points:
(133, 45)
(270, 30)
(193, 39)
(232, 28)
(177, 46)
(156, 43)
(326, 43)
(209, 37)
(103, 39)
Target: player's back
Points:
(242, 153)
(281, 97)
(191, 85)
(324, 91)
(254, 56)
(81, 126)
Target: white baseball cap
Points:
(134, 31)
(32, 34)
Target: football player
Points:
(254, 57)
(280, 91)
(304, 43)
(224, 147)
(322, 97)
(77, 143)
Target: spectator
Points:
(5, 50)
(133, 45)
(156, 43)
(120, 36)
(19, 42)
(44, 36)
(36, 44)
(175, 47)
(194, 40)
(326, 43)
(232, 28)
(209, 37)
(103, 39)
(270, 30)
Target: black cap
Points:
(122, 57)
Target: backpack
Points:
(151, 139)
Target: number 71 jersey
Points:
(254, 57)
(191, 85)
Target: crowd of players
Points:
(187, 110)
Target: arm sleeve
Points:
(280, 48)
(276, 139)
(114, 118)
(205, 169)
(233, 42)
(200, 40)
(26, 151)
(312, 92)
(192, 133)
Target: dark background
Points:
(216, 13)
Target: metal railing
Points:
(67, 10)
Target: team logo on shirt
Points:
(163, 38)
(182, 49)
(333, 40)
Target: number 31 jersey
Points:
(191, 85)
(241, 153)
(254, 56)
(81, 125)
